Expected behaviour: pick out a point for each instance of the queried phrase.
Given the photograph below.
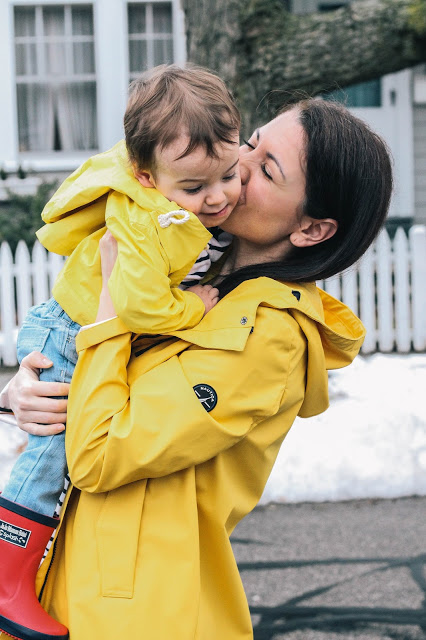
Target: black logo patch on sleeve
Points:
(206, 395)
(14, 535)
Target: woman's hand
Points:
(36, 412)
(109, 251)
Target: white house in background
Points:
(66, 68)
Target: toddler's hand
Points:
(109, 251)
(208, 294)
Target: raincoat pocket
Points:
(117, 532)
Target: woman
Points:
(171, 439)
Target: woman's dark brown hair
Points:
(348, 178)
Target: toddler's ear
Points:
(145, 178)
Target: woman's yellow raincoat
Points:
(170, 441)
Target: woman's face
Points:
(273, 185)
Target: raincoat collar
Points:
(231, 321)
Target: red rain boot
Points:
(24, 535)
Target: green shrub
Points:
(20, 216)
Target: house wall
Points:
(419, 117)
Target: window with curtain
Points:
(150, 35)
(55, 77)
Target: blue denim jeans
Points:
(37, 479)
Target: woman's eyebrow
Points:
(271, 157)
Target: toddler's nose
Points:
(216, 197)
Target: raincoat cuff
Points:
(99, 333)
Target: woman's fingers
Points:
(41, 404)
(36, 411)
(36, 429)
(35, 361)
(41, 388)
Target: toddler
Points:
(175, 174)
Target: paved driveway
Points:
(334, 571)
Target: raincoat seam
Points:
(291, 354)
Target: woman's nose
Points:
(244, 170)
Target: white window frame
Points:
(112, 78)
(43, 77)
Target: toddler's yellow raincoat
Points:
(152, 260)
(170, 441)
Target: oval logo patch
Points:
(206, 395)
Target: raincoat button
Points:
(244, 320)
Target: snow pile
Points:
(371, 442)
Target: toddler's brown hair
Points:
(168, 101)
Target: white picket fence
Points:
(25, 281)
(387, 289)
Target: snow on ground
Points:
(371, 442)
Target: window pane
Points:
(163, 52)
(53, 21)
(75, 113)
(83, 57)
(35, 117)
(162, 18)
(136, 18)
(82, 21)
(365, 94)
(26, 60)
(138, 56)
(55, 58)
(24, 21)
(24, 129)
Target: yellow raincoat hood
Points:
(67, 215)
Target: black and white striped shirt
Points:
(212, 253)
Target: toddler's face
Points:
(209, 187)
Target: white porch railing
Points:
(387, 289)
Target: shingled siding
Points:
(419, 116)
